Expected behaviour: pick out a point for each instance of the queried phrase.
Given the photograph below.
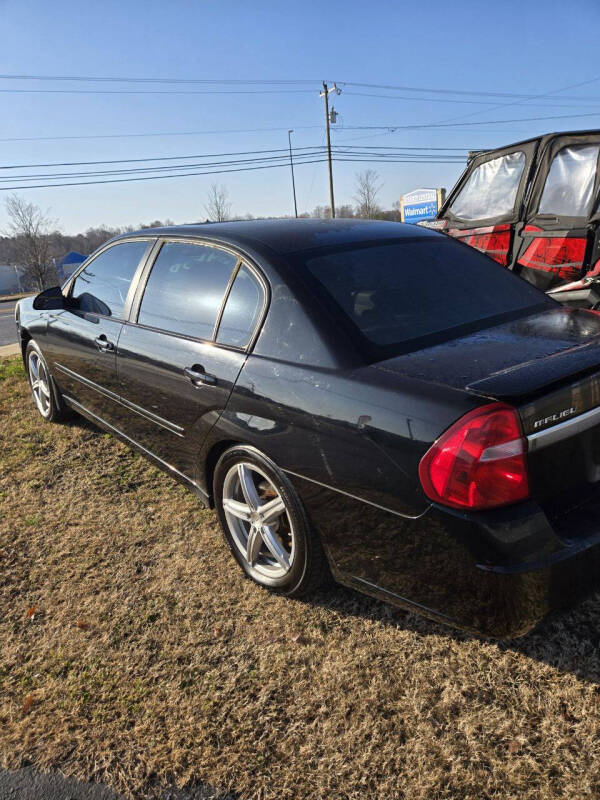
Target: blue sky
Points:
(461, 46)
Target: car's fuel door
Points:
(485, 206)
(558, 239)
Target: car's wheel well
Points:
(25, 339)
(212, 458)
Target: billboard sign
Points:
(421, 205)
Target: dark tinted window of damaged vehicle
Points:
(412, 293)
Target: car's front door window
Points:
(491, 189)
(102, 286)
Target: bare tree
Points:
(321, 212)
(397, 211)
(217, 203)
(367, 189)
(157, 223)
(30, 231)
(92, 238)
(344, 211)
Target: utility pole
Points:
(325, 94)
(292, 168)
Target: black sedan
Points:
(363, 399)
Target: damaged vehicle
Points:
(533, 207)
(434, 443)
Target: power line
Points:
(355, 157)
(431, 125)
(467, 102)
(117, 79)
(522, 133)
(154, 158)
(298, 151)
(388, 155)
(157, 91)
(285, 91)
(390, 127)
(150, 177)
(520, 102)
(404, 147)
(396, 161)
(157, 133)
(138, 170)
(273, 82)
(437, 90)
(404, 156)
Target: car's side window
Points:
(242, 310)
(568, 191)
(185, 289)
(102, 286)
(491, 189)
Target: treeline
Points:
(34, 245)
(59, 244)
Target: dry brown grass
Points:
(133, 651)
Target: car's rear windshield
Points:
(402, 295)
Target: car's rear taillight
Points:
(562, 255)
(479, 462)
(493, 240)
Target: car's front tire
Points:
(265, 524)
(45, 394)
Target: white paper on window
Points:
(491, 189)
(570, 182)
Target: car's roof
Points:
(292, 235)
(541, 137)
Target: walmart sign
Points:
(420, 205)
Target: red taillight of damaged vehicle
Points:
(562, 255)
(480, 462)
(493, 240)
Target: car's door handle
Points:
(103, 344)
(198, 376)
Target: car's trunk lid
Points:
(547, 366)
(511, 361)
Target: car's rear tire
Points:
(265, 524)
(46, 395)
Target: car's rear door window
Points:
(491, 189)
(102, 286)
(242, 310)
(185, 289)
(569, 187)
(410, 293)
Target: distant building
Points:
(11, 280)
(68, 264)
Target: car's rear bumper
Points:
(502, 605)
(498, 574)
(511, 596)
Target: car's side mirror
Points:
(49, 299)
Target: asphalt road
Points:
(28, 784)
(8, 333)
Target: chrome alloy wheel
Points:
(40, 383)
(258, 521)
